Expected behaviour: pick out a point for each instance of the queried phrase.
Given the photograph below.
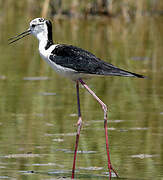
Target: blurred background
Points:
(38, 109)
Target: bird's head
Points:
(39, 27)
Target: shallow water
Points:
(38, 110)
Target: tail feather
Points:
(111, 70)
(120, 72)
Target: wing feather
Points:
(83, 61)
(76, 58)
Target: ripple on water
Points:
(58, 140)
(36, 78)
(112, 174)
(21, 155)
(47, 93)
(65, 134)
(4, 177)
(110, 121)
(143, 156)
(27, 172)
(133, 129)
(46, 164)
(66, 174)
(60, 134)
(140, 58)
(79, 151)
(91, 168)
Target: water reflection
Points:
(38, 107)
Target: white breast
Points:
(67, 72)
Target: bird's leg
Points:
(104, 107)
(79, 125)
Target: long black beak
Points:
(20, 36)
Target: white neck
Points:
(42, 36)
(44, 43)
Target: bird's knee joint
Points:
(105, 108)
(79, 123)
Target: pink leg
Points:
(79, 124)
(104, 107)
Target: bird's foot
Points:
(111, 169)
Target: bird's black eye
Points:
(33, 25)
(41, 19)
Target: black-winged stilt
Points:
(76, 64)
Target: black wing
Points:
(83, 61)
(75, 58)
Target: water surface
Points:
(38, 110)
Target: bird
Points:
(76, 64)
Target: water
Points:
(38, 109)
